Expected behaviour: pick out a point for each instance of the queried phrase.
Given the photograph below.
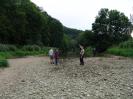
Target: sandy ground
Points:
(99, 78)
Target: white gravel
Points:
(99, 78)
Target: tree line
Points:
(24, 23)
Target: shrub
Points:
(88, 51)
(3, 63)
(6, 55)
(7, 47)
(12, 48)
(126, 44)
(31, 48)
(46, 50)
(121, 51)
(19, 54)
(124, 49)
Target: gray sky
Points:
(80, 14)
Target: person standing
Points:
(94, 52)
(81, 55)
(51, 55)
(56, 56)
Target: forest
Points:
(25, 26)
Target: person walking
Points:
(51, 55)
(81, 55)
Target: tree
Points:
(73, 33)
(110, 27)
(24, 23)
(86, 38)
(55, 29)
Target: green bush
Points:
(19, 54)
(46, 50)
(3, 63)
(121, 51)
(31, 48)
(126, 44)
(6, 55)
(88, 52)
(7, 47)
(10, 51)
(12, 48)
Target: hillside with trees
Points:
(23, 23)
(72, 33)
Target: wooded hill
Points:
(73, 33)
(24, 23)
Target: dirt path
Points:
(99, 78)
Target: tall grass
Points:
(127, 44)
(123, 49)
(11, 51)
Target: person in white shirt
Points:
(51, 55)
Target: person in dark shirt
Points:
(56, 56)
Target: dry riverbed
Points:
(99, 78)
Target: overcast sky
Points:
(80, 14)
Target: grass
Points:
(4, 55)
(20, 53)
(8, 51)
(123, 49)
(3, 60)
(126, 52)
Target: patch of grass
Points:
(20, 53)
(14, 54)
(6, 55)
(11, 52)
(127, 44)
(127, 52)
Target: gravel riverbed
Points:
(99, 78)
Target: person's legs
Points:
(82, 60)
(94, 53)
(53, 60)
(50, 60)
(56, 61)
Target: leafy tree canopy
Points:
(110, 27)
